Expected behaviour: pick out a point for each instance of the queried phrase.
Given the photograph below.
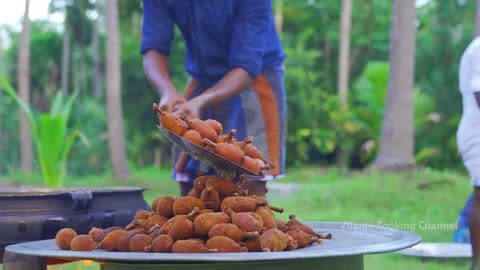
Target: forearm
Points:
(156, 69)
(229, 86)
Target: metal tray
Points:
(222, 165)
(348, 239)
(439, 250)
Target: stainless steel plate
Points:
(439, 250)
(222, 165)
(42, 191)
(349, 239)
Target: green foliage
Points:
(310, 38)
(138, 96)
(91, 118)
(76, 20)
(45, 57)
(445, 29)
(8, 134)
(317, 127)
(322, 127)
(337, 130)
(368, 97)
(49, 132)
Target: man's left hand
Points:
(192, 108)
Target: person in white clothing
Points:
(468, 135)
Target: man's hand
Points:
(171, 101)
(230, 85)
(192, 108)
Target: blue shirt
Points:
(219, 35)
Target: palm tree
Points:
(343, 58)
(97, 76)
(76, 37)
(397, 138)
(23, 79)
(1, 71)
(116, 141)
(279, 15)
(65, 60)
(344, 68)
(2, 67)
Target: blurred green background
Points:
(330, 147)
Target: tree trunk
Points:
(1, 98)
(344, 55)
(397, 138)
(116, 141)
(82, 69)
(97, 77)
(65, 60)
(2, 53)
(367, 29)
(279, 15)
(157, 157)
(327, 48)
(23, 79)
(75, 59)
(343, 70)
(477, 19)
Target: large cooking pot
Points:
(37, 214)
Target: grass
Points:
(403, 201)
(414, 201)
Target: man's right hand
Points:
(171, 101)
(155, 65)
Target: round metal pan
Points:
(439, 250)
(222, 165)
(348, 239)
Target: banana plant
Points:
(50, 134)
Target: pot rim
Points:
(41, 191)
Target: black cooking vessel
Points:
(28, 215)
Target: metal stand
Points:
(345, 251)
(331, 263)
(26, 262)
(13, 261)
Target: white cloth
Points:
(468, 133)
(468, 140)
(469, 71)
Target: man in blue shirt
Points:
(235, 60)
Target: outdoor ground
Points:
(407, 201)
